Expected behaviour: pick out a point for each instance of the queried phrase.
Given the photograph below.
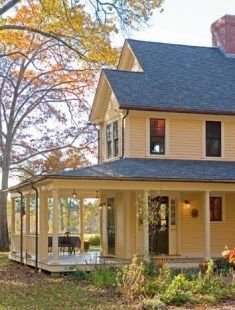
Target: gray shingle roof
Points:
(157, 169)
(177, 78)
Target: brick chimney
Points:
(223, 34)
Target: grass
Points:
(21, 288)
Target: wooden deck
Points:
(91, 259)
(68, 263)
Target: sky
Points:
(185, 21)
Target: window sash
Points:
(109, 149)
(108, 133)
(115, 130)
(115, 147)
(157, 136)
(213, 139)
(112, 140)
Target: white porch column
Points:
(81, 209)
(27, 215)
(55, 224)
(207, 224)
(27, 221)
(13, 220)
(43, 227)
(146, 228)
(104, 242)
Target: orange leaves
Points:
(230, 255)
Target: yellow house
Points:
(166, 120)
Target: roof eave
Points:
(157, 109)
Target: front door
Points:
(159, 227)
(111, 226)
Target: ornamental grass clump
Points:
(130, 280)
(103, 277)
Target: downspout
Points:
(36, 234)
(123, 134)
(22, 213)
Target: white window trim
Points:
(222, 157)
(222, 195)
(148, 154)
(108, 123)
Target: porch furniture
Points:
(69, 242)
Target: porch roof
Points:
(156, 169)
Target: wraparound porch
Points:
(189, 238)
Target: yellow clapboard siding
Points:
(229, 135)
(138, 137)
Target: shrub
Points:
(94, 240)
(150, 268)
(154, 303)
(79, 275)
(209, 287)
(159, 283)
(223, 266)
(179, 291)
(131, 280)
(103, 276)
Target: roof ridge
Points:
(117, 70)
(169, 43)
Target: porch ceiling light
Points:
(74, 194)
(187, 203)
(97, 195)
(102, 204)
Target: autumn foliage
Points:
(229, 254)
(51, 52)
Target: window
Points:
(216, 209)
(112, 140)
(115, 139)
(213, 139)
(157, 136)
(109, 140)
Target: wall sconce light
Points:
(74, 194)
(187, 203)
(109, 207)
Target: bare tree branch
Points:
(10, 4)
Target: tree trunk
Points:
(4, 236)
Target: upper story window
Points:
(213, 139)
(216, 214)
(112, 140)
(157, 136)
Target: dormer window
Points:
(213, 139)
(112, 140)
(157, 136)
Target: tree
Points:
(68, 21)
(43, 85)
(43, 107)
(56, 161)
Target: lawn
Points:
(22, 288)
